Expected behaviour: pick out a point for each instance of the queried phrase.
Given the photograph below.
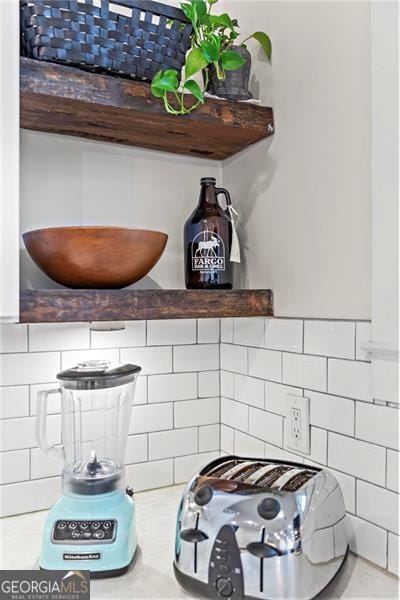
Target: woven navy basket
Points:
(134, 38)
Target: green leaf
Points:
(166, 81)
(232, 60)
(212, 2)
(190, 12)
(264, 41)
(194, 89)
(210, 48)
(195, 62)
(201, 8)
(223, 20)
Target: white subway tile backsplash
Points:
(276, 399)
(14, 401)
(331, 412)
(234, 358)
(187, 466)
(154, 360)
(275, 453)
(249, 332)
(209, 438)
(227, 439)
(21, 369)
(208, 382)
(70, 358)
(171, 331)
(174, 386)
(43, 465)
(136, 449)
(196, 412)
(357, 458)
(29, 496)
(14, 466)
(304, 371)
(378, 506)
(330, 338)
(318, 445)
(348, 486)
(248, 390)
(204, 357)
(207, 331)
(131, 334)
(363, 336)
(227, 331)
(58, 336)
(247, 445)
(166, 444)
(16, 434)
(140, 396)
(266, 426)
(227, 379)
(368, 541)
(377, 424)
(13, 338)
(349, 378)
(234, 414)
(392, 474)
(284, 334)
(393, 553)
(266, 364)
(151, 417)
(150, 475)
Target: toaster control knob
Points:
(203, 495)
(224, 587)
(193, 535)
(269, 508)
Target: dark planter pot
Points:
(235, 86)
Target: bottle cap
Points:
(208, 180)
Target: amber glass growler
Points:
(208, 240)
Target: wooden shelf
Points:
(64, 100)
(64, 305)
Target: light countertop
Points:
(152, 576)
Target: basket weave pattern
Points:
(134, 38)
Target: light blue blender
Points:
(92, 525)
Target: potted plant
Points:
(216, 53)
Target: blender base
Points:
(110, 515)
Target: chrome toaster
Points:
(266, 529)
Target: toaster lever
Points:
(193, 535)
(262, 550)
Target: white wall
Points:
(304, 195)
(70, 181)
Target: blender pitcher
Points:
(92, 525)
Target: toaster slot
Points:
(281, 482)
(235, 473)
(220, 470)
(259, 472)
(246, 473)
(272, 476)
(297, 481)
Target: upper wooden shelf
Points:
(64, 305)
(61, 99)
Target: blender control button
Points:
(75, 535)
(83, 525)
(95, 525)
(107, 524)
(61, 525)
(99, 534)
(87, 534)
(73, 525)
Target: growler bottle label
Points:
(208, 252)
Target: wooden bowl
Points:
(95, 257)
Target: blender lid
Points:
(99, 374)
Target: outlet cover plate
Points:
(297, 425)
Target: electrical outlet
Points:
(297, 426)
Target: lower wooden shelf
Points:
(64, 305)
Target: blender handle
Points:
(41, 424)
